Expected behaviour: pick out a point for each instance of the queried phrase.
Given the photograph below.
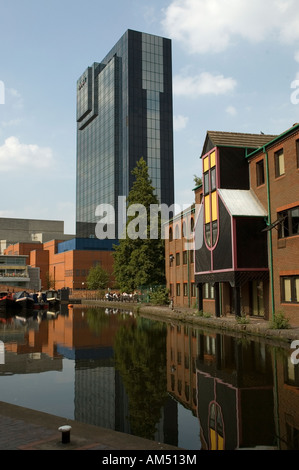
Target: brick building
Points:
(274, 178)
(66, 263)
(246, 235)
(179, 255)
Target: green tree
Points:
(197, 180)
(97, 278)
(139, 258)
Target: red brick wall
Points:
(284, 191)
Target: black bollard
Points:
(65, 434)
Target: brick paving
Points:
(24, 429)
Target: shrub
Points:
(280, 322)
(160, 296)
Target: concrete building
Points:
(30, 230)
(15, 274)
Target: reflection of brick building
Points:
(288, 403)
(181, 365)
(66, 264)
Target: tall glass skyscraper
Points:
(124, 112)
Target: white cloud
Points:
(231, 110)
(180, 122)
(203, 84)
(206, 26)
(17, 156)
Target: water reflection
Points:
(165, 381)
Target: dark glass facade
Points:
(124, 112)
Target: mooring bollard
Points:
(65, 434)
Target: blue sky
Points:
(234, 63)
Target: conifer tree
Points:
(139, 258)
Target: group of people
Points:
(117, 297)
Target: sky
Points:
(235, 69)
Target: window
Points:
(260, 173)
(178, 289)
(208, 234)
(297, 152)
(185, 254)
(171, 290)
(289, 225)
(279, 163)
(206, 182)
(213, 179)
(192, 256)
(214, 231)
(192, 224)
(290, 289)
(208, 291)
(177, 259)
(170, 235)
(185, 286)
(193, 289)
(171, 258)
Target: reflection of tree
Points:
(97, 319)
(140, 357)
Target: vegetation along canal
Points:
(165, 381)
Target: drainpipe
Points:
(188, 268)
(270, 235)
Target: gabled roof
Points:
(235, 139)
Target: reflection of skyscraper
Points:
(124, 112)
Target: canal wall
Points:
(255, 327)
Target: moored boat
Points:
(23, 301)
(52, 298)
(6, 301)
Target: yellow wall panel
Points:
(206, 164)
(214, 206)
(213, 159)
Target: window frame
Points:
(277, 163)
(294, 294)
(286, 226)
(260, 173)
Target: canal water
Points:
(164, 381)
